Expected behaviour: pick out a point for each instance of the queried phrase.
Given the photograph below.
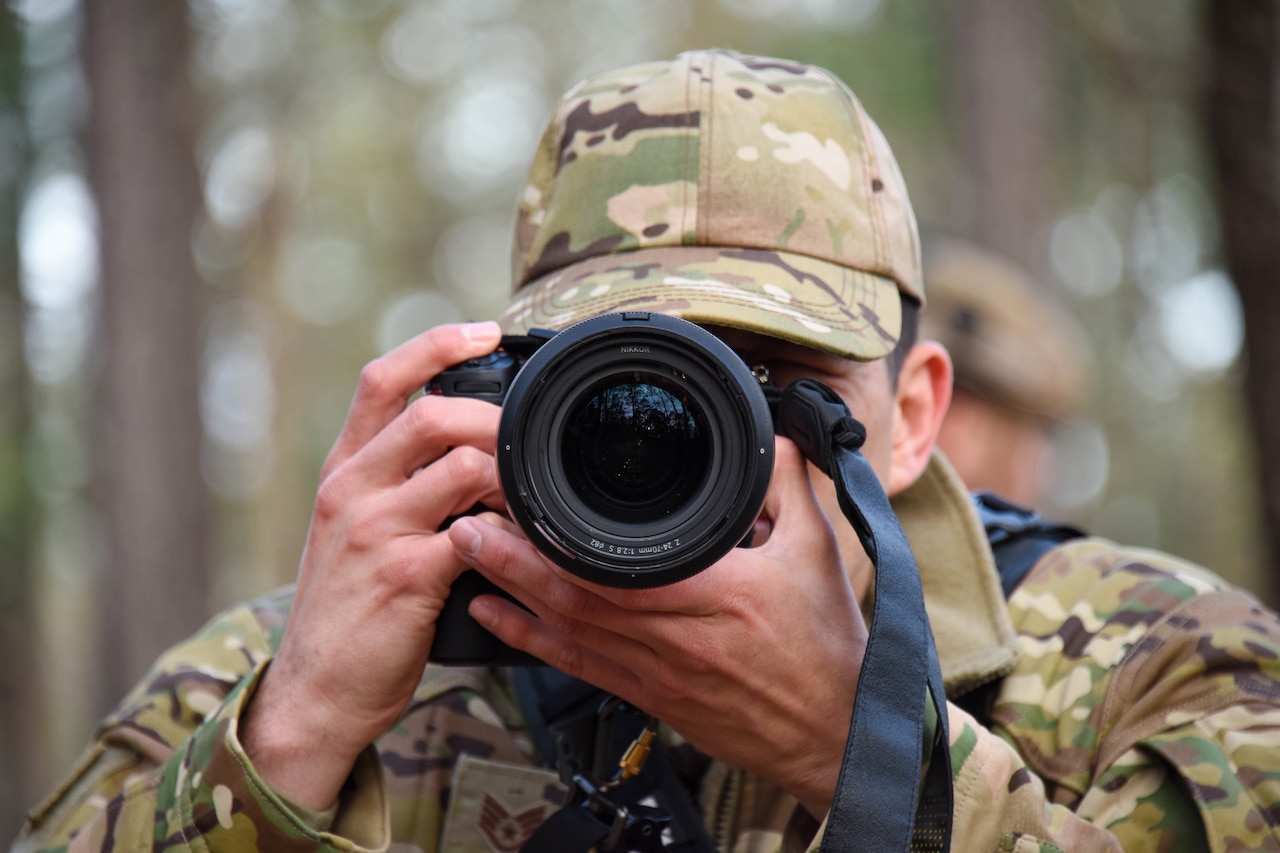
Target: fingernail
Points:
(487, 329)
(466, 536)
(483, 612)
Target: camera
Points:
(634, 450)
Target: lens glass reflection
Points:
(636, 447)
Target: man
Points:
(1124, 700)
(1020, 368)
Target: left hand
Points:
(755, 660)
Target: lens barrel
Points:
(635, 449)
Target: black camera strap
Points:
(880, 802)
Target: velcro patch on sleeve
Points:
(495, 807)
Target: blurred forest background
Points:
(213, 213)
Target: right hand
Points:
(377, 567)
(755, 661)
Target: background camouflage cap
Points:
(1009, 341)
(725, 189)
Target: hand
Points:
(376, 569)
(754, 660)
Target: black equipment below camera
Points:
(634, 450)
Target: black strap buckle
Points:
(592, 765)
(635, 828)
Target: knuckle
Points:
(394, 574)
(468, 465)
(569, 627)
(422, 417)
(330, 498)
(786, 451)
(681, 683)
(353, 516)
(364, 532)
(671, 689)
(567, 657)
(565, 598)
(702, 660)
(374, 379)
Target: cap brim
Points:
(796, 298)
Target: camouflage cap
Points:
(725, 189)
(1009, 341)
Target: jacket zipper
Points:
(724, 802)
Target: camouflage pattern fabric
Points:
(1141, 715)
(1145, 700)
(721, 188)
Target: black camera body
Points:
(634, 450)
(489, 377)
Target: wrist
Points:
(292, 753)
(816, 792)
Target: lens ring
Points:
(637, 551)
(622, 542)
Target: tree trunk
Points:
(999, 68)
(1242, 117)
(152, 497)
(17, 495)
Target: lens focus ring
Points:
(635, 450)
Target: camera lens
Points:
(635, 448)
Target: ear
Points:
(923, 394)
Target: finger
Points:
(801, 531)
(376, 586)
(454, 484)
(391, 470)
(789, 487)
(500, 521)
(386, 383)
(521, 630)
(621, 630)
(514, 562)
(517, 566)
(615, 657)
(424, 432)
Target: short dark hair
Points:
(906, 339)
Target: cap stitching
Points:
(827, 309)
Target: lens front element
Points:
(635, 448)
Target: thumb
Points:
(790, 491)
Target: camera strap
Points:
(881, 801)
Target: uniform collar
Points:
(971, 625)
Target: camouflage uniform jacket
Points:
(1137, 708)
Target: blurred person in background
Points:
(1021, 368)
